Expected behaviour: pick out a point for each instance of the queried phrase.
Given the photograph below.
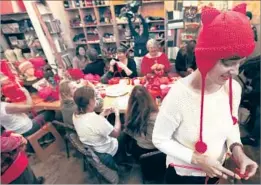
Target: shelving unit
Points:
(92, 35)
(17, 29)
(54, 35)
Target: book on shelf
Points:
(53, 26)
(67, 60)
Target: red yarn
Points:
(38, 62)
(38, 73)
(76, 74)
(13, 92)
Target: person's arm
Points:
(131, 69)
(16, 108)
(145, 66)
(106, 77)
(99, 102)
(167, 122)
(105, 128)
(75, 63)
(117, 125)
(234, 136)
(132, 30)
(165, 62)
(145, 25)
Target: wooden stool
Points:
(57, 144)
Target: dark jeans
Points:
(27, 177)
(113, 161)
(171, 177)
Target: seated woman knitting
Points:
(120, 67)
(140, 118)
(14, 118)
(154, 60)
(68, 106)
(93, 129)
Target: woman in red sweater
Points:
(154, 57)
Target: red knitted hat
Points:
(223, 35)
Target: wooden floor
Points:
(58, 169)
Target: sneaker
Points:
(249, 141)
(40, 180)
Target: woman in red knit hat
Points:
(197, 122)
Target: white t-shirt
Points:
(94, 130)
(19, 123)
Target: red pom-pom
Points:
(234, 120)
(201, 147)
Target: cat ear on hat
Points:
(241, 8)
(208, 14)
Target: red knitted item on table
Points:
(222, 36)
(76, 74)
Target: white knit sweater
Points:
(177, 125)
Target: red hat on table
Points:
(223, 35)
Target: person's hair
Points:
(140, 107)
(249, 14)
(65, 90)
(121, 49)
(152, 43)
(82, 97)
(192, 41)
(77, 50)
(92, 54)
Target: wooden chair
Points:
(56, 145)
(68, 128)
(93, 163)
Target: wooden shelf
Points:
(151, 2)
(150, 8)
(91, 42)
(17, 33)
(86, 7)
(101, 6)
(79, 43)
(89, 26)
(76, 27)
(157, 31)
(17, 13)
(104, 24)
(156, 21)
(71, 9)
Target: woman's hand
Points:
(121, 65)
(24, 141)
(106, 112)
(212, 167)
(247, 167)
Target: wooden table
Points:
(108, 102)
